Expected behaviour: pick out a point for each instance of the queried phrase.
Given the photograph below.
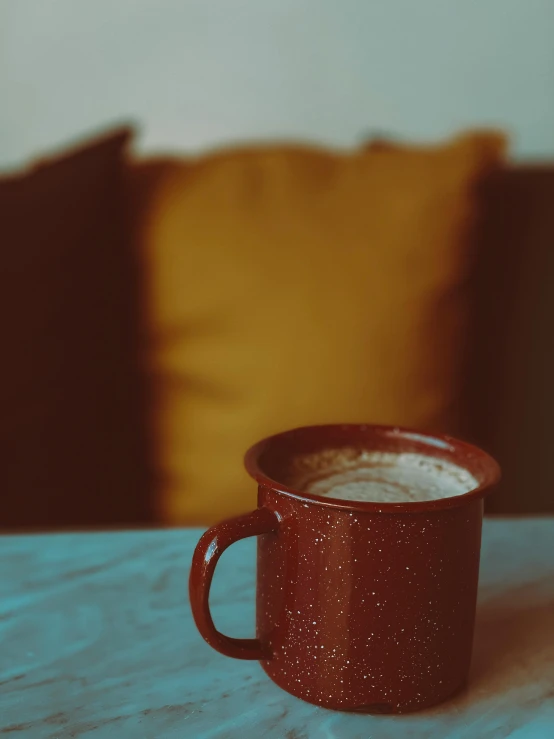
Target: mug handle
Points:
(208, 550)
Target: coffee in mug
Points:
(373, 476)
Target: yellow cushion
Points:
(291, 286)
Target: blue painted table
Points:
(97, 641)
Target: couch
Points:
(158, 315)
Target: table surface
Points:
(97, 641)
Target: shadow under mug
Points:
(360, 606)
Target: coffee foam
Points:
(376, 476)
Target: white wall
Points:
(194, 73)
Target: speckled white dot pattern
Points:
(368, 609)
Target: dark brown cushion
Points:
(72, 449)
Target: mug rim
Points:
(453, 446)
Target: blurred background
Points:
(195, 75)
(219, 220)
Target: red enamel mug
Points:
(360, 606)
